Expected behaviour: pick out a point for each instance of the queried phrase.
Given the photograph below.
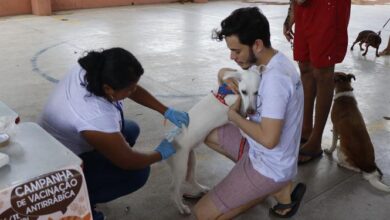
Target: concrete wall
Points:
(59, 5)
(15, 7)
(46, 7)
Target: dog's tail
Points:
(374, 179)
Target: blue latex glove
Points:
(177, 117)
(166, 149)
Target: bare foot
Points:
(309, 152)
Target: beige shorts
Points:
(243, 183)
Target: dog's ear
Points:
(232, 74)
(350, 77)
(338, 78)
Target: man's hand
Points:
(177, 117)
(234, 109)
(289, 22)
(288, 32)
(230, 82)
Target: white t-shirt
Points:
(280, 97)
(71, 108)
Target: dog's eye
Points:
(256, 93)
(243, 92)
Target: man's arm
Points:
(289, 22)
(267, 132)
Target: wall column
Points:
(41, 7)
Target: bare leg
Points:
(213, 142)
(309, 90)
(324, 96)
(206, 209)
(283, 196)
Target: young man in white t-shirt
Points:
(269, 140)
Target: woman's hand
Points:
(166, 149)
(177, 117)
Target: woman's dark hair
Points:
(116, 67)
(248, 24)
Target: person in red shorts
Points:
(319, 42)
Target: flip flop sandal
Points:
(296, 198)
(312, 156)
(194, 196)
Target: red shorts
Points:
(321, 31)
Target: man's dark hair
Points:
(248, 24)
(115, 67)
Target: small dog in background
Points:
(356, 151)
(370, 38)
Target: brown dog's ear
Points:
(350, 77)
(337, 77)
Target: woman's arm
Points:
(114, 147)
(143, 97)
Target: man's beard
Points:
(251, 60)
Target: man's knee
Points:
(324, 74)
(212, 139)
(305, 68)
(198, 212)
(206, 209)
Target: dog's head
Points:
(374, 39)
(248, 85)
(343, 82)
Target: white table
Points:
(5, 111)
(41, 171)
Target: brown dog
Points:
(356, 151)
(387, 50)
(370, 38)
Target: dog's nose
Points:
(250, 111)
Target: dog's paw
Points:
(184, 210)
(328, 151)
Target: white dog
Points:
(205, 116)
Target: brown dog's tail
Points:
(374, 179)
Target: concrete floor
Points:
(173, 43)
